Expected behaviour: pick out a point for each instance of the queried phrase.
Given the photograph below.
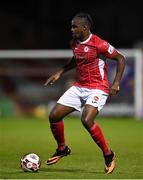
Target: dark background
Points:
(45, 24)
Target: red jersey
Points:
(91, 69)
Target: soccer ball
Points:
(30, 162)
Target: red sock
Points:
(58, 133)
(97, 135)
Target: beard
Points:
(77, 37)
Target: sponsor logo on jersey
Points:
(110, 49)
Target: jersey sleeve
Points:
(106, 49)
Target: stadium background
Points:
(46, 25)
(25, 102)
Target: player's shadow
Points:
(69, 170)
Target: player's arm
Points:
(120, 60)
(70, 65)
(111, 53)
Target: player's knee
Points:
(53, 117)
(84, 122)
(87, 123)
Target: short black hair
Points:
(86, 17)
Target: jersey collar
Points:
(83, 42)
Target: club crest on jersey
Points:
(86, 49)
(96, 98)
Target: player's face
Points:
(77, 29)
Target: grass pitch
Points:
(20, 136)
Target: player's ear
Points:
(84, 27)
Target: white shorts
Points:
(77, 97)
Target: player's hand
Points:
(53, 78)
(114, 89)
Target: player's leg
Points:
(57, 128)
(94, 103)
(88, 116)
(68, 102)
(88, 119)
(57, 125)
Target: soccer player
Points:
(90, 91)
